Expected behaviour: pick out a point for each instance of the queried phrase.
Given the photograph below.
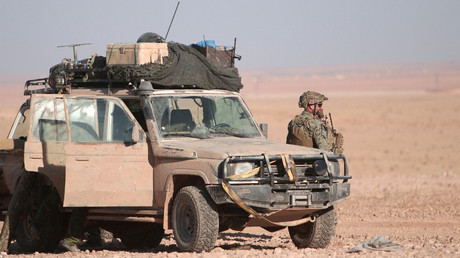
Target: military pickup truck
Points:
(143, 160)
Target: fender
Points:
(170, 187)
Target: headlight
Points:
(239, 168)
(320, 168)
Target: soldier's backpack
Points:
(296, 134)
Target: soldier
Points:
(76, 228)
(77, 223)
(310, 128)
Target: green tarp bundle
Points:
(185, 67)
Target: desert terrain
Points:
(402, 132)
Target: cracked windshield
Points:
(203, 117)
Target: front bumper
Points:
(275, 185)
(264, 197)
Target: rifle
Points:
(334, 132)
(337, 143)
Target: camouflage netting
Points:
(185, 66)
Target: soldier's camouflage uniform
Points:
(77, 222)
(316, 132)
(311, 130)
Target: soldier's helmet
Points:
(310, 98)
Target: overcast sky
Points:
(270, 34)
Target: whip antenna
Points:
(174, 15)
(74, 46)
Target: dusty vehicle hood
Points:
(222, 147)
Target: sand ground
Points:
(403, 148)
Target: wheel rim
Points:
(26, 224)
(187, 227)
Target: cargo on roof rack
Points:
(165, 65)
(136, 53)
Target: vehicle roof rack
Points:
(38, 82)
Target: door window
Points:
(99, 120)
(90, 120)
(49, 120)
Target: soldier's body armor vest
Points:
(297, 134)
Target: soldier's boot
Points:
(76, 230)
(70, 244)
(94, 241)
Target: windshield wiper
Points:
(236, 134)
(185, 135)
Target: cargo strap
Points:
(136, 61)
(239, 201)
(111, 52)
(289, 166)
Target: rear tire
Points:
(49, 231)
(315, 234)
(195, 220)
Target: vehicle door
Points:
(97, 145)
(12, 156)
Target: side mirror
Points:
(264, 128)
(135, 133)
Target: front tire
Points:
(317, 234)
(195, 220)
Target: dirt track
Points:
(403, 152)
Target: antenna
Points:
(234, 53)
(74, 46)
(174, 15)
